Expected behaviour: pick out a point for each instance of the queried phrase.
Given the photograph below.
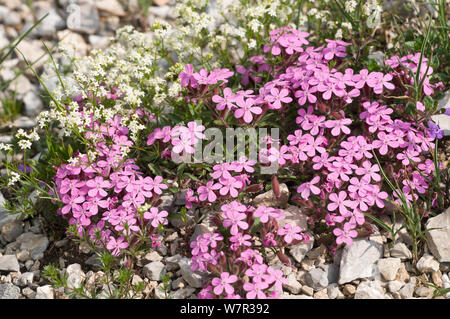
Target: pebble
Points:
(292, 284)
(154, 270)
(360, 259)
(370, 290)
(307, 290)
(388, 268)
(45, 292)
(321, 294)
(438, 233)
(9, 291)
(75, 276)
(317, 279)
(26, 279)
(153, 256)
(269, 199)
(395, 285)
(183, 293)
(11, 230)
(35, 244)
(424, 291)
(9, 263)
(195, 279)
(334, 292)
(427, 264)
(349, 290)
(400, 250)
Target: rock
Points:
(200, 229)
(268, 198)
(321, 294)
(11, 230)
(334, 292)
(98, 42)
(29, 293)
(183, 293)
(370, 290)
(402, 274)
(9, 263)
(75, 276)
(160, 293)
(317, 279)
(436, 276)
(193, 278)
(73, 42)
(299, 251)
(332, 272)
(50, 24)
(388, 268)
(407, 290)
(400, 250)
(45, 292)
(110, 6)
(61, 243)
(23, 255)
(24, 123)
(172, 262)
(288, 296)
(94, 261)
(424, 292)
(33, 51)
(26, 279)
(294, 215)
(83, 18)
(36, 244)
(154, 270)
(33, 104)
(395, 285)
(444, 102)
(9, 291)
(292, 285)
(438, 234)
(153, 256)
(12, 19)
(160, 2)
(307, 290)
(359, 260)
(178, 283)
(21, 85)
(427, 264)
(161, 12)
(349, 290)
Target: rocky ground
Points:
(370, 268)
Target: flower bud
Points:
(276, 186)
(254, 188)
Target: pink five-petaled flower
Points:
(207, 191)
(246, 109)
(340, 201)
(306, 188)
(157, 217)
(154, 185)
(116, 245)
(290, 233)
(255, 290)
(230, 185)
(338, 126)
(187, 76)
(346, 234)
(97, 186)
(224, 283)
(235, 220)
(227, 100)
(276, 97)
(369, 171)
(264, 213)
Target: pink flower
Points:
(340, 201)
(346, 234)
(338, 126)
(264, 213)
(255, 290)
(230, 185)
(207, 191)
(224, 283)
(116, 245)
(306, 188)
(246, 109)
(290, 233)
(369, 171)
(276, 97)
(227, 100)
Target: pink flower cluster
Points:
(181, 138)
(344, 118)
(101, 197)
(234, 257)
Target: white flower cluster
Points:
(26, 139)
